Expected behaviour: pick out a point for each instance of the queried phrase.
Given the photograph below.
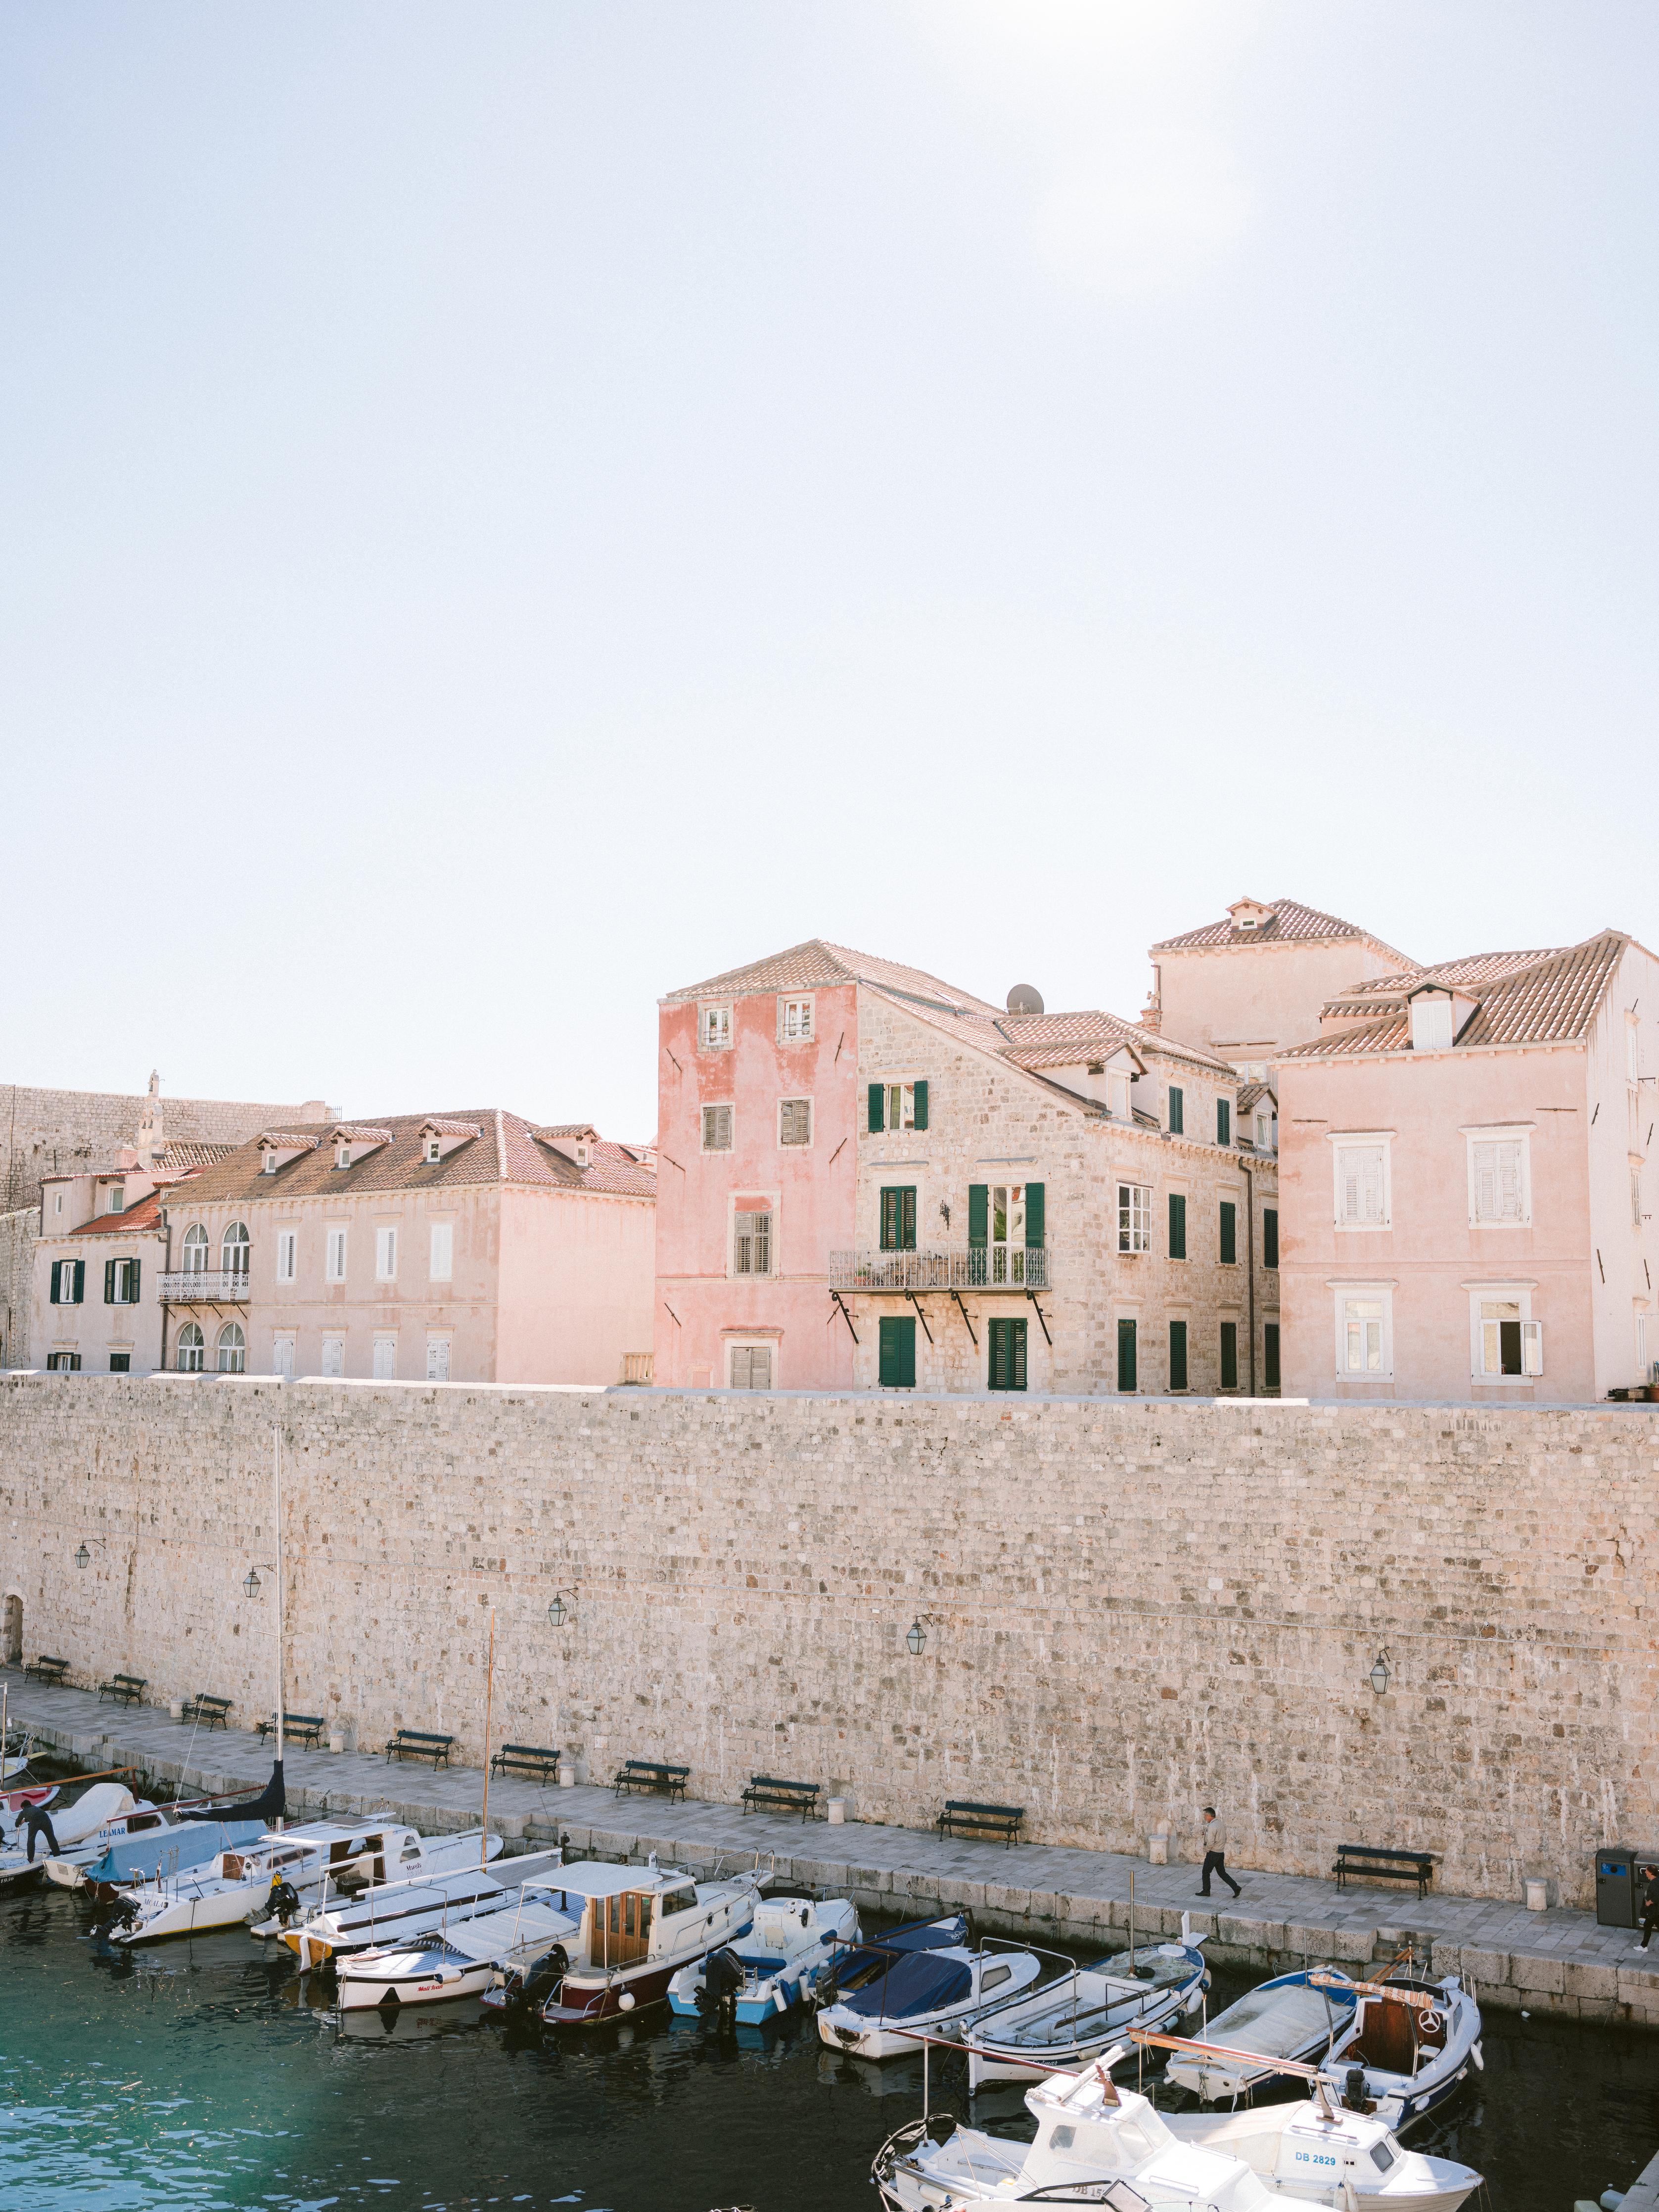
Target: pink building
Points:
(1468, 1213)
(458, 1247)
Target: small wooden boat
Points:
(1069, 2022)
(1414, 2043)
(789, 1955)
(1292, 2017)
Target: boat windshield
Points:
(919, 1982)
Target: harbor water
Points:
(204, 2074)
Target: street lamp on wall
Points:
(82, 1556)
(917, 1639)
(1381, 1675)
(558, 1613)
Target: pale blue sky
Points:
(510, 509)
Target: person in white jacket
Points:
(1215, 1855)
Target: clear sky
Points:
(507, 510)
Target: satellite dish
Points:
(1025, 998)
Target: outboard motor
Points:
(529, 1989)
(722, 1977)
(1353, 2091)
(284, 1902)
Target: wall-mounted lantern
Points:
(82, 1556)
(558, 1613)
(917, 1639)
(1381, 1675)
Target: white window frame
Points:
(288, 1255)
(715, 1107)
(190, 1351)
(1345, 1141)
(1498, 1132)
(337, 1249)
(235, 1253)
(1433, 1022)
(1348, 1294)
(57, 1201)
(795, 1144)
(268, 1161)
(230, 1349)
(903, 1115)
(1134, 1217)
(385, 1252)
(715, 1029)
(747, 1346)
(1532, 1335)
(796, 1018)
(124, 1294)
(195, 1249)
(434, 1151)
(115, 1198)
(441, 1266)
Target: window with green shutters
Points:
(69, 1282)
(897, 1106)
(896, 1338)
(1229, 1355)
(1007, 1354)
(1223, 1122)
(1270, 1236)
(1177, 1225)
(1126, 1356)
(1177, 1355)
(1229, 1233)
(120, 1282)
(1004, 1222)
(898, 1218)
(1177, 1111)
(1270, 1355)
(878, 1108)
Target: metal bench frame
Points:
(538, 1760)
(421, 1743)
(962, 1814)
(124, 1689)
(768, 1790)
(652, 1774)
(1354, 1862)
(297, 1727)
(45, 1670)
(212, 1710)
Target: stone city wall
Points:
(17, 1234)
(47, 1132)
(1131, 1609)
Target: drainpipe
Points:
(1249, 1255)
(167, 1261)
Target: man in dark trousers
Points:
(1647, 1898)
(1215, 1854)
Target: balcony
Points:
(198, 1287)
(976, 1267)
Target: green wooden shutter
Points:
(1229, 1355)
(1229, 1233)
(921, 1105)
(1177, 1111)
(890, 1221)
(979, 1214)
(1177, 1355)
(1177, 1225)
(80, 1282)
(56, 1282)
(1269, 1236)
(897, 1353)
(109, 1282)
(878, 1108)
(1017, 1330)
(1126, 1355)
(1270, 1355)
(1007, 1355)
(908, 1219)
(1223, 1122)
(1034, 1193)
(132, 1281)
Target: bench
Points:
(46, 1670)
(124, 1689)
(801, 1797)
(535, 1759)
(210, 1709)
(1372, 1863)
(962, 1815)
(297, 1727)
(421, 1743)
(650, 1774)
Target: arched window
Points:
(189, 1346)
(233, 1349)
(196, 1253)
(233, 1249)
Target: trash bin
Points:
(1619, 1884)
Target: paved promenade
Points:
(1558, 1960)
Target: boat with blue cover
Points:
(922, 1982)
(152, 1856)
(788, 1956)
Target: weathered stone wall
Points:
(46, 1131)
(17, 1234)
(1132, 1608)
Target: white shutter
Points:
(760, 1367)
(1531, 1348)
(1485, 1183)
(437, 1359)
(282, 1358)
(1509, 1181)
(1360, 1185)
(443, 1250)
(385, 1254)
(385, 1360)
(740, 1367)
(333, 1355)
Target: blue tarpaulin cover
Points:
(166, 1851)
(922, 1983)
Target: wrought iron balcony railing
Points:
(976, 1267)
(202, 1286)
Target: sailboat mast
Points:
(490, 1701)
(276, 1484)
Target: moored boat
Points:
(897, 1993)
(105, 1814)
(463, 1959)
(156, 1852)
(789, 1955)
(401, 1910)
(1292, 2017)
(1414, 2042)
(1067, 2022)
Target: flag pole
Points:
(276, 1484)
(490, 1701)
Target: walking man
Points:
(1215, 1856)
(1648, 1897)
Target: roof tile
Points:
(1289, 922)
(1552, 1001)
(818, 962)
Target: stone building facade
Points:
(18, 1231)
(1129, 1608)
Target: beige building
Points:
(96, 1271)
(458, 1247)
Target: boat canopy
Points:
(922, 1983)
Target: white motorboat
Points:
(1068, 2022)
(1095, 2139)
(235, 1887)
(1294, 2017)
(158, 1850)
(910, 1992)
(1413, 2041)
(463, 1959)
(789, 1953)
(638, 1926)
(106, 1813)
(402, 1911)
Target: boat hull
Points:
(368, 1992)
(581, 2003)
(997, 2052)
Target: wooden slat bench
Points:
(124, 1689)
(801, 1797)
(297, 1727)
(421, 1743)
(652, 1774)
(210, 1709)
(538, 1760)
(46, 1670)
(962, 1815)
(1372, 1863)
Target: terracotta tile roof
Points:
(577, 1129)
(1551, 1001)
(146, 1213)
(177, 1154)
(1288, 921)
(817, 963)
(285, 1140)
(1381, 995)
(1251, 1093)
(443, 1126)
(363, 1133)
(506, 1151)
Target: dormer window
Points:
(343, 1154)
(1432, 1022)
(115, 1197)
(433, 1151)
(268, 1161)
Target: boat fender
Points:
(783, 1996)
(1474, 2053)
(625, 2002)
